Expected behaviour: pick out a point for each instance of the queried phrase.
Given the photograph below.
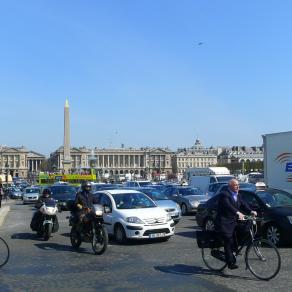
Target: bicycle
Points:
(4, 252)
(261, 256)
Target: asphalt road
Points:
(175, 265)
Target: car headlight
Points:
(178, 206)
(290, 219)
(168, 217)
(134, 220)
(195, 203)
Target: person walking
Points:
(1, 193)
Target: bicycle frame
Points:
(251, 237)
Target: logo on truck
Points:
(286, 158)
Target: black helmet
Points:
(46, 193)
(86, 186)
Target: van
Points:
(203, 182)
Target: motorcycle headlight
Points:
(98, 212)
(134, 220)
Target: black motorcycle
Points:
(46, 222)
(92, 230)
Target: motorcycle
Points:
(92, 231)
(47, 221)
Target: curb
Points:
(3, 212)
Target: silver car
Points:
(188, 198)
(31, 195)
(162, 201)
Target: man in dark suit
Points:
(230, 208)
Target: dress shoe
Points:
(232, 266)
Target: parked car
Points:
(188, 198)
(64, 194)
(131, 214)
(164, 202)
(30, 195)
(274, 206)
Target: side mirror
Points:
(107, 209)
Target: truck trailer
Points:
(278, 160)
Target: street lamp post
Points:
(7, 171)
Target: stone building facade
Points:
(196, 156)
(142, 162)
(19, 161)
(240, 154)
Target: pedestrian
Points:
(1, 192)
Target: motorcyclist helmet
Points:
(46, 193)
(86, 186)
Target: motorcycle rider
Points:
(84, 202)
(46, 196)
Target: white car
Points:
(131, 214)
(31, 195)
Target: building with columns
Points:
(19, 162)
(196, 156)
(239, 154)
(142, 162)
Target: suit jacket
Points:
(226, 219)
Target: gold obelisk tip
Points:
(67, 103)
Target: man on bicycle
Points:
(230, 208)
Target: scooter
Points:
(48, 221)
(92, 231)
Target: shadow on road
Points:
(61, 247)
(194, 270)
(30, 236)
(190, 234)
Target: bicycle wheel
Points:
(214, 258)
(4, 252)
(263, 259)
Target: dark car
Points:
(64, 194)
(274, 206)
(216, 188)
(188, 198)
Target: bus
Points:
(73, 179)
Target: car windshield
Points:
(29, 191)
(190, 192)
(247, 186)
(132, 201)
(63, 189)
(155, 194)
(225, 178)
(144, 183)
(275, 198)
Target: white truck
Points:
(202, 177)
(278, 160)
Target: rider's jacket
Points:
(85, 199)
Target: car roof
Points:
(119, 191)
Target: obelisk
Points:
(67, 156)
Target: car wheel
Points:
(273, 234)
(120, 234)
(184, 209)
(209, 224)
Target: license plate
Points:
(155, 235)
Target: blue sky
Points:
(144, 73)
